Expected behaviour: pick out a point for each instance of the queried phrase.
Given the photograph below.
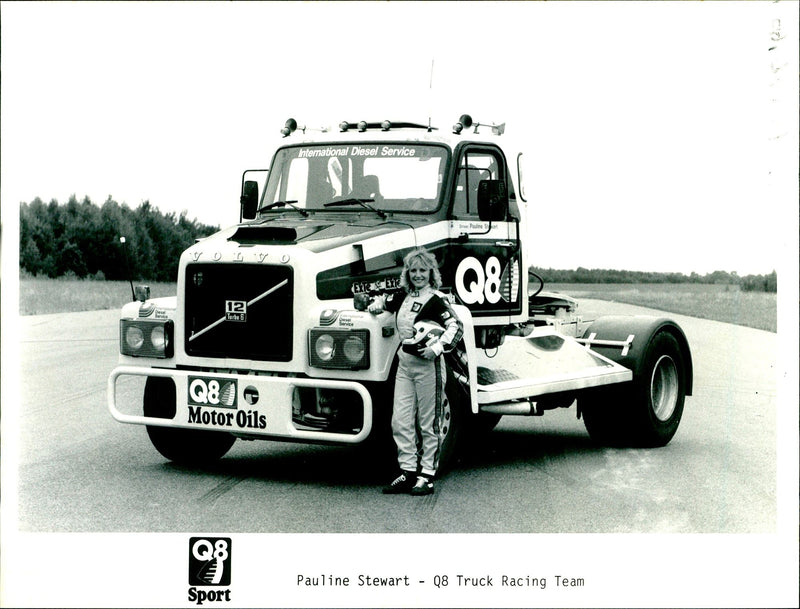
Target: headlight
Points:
(146, 338)
(354, 349)
(339, 349)
(159, 338)
(325, 347)
(134, 338)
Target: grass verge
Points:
(38, 296)
(717, 302)
(707, 301)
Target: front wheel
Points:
(184, 446)
(453, 422)
(647, 411)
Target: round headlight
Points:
(134, 338)
(324, 347)
(354, 349)
(158, 338)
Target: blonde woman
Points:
(428, 327)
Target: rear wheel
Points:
(647, 411)
(185, 446)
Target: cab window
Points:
(474, 165)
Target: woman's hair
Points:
(426, 260)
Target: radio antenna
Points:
(430, 97)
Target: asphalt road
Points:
(81, 471)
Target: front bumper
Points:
(253, 406)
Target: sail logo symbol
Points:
(209, 561)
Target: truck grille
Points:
(239, 311)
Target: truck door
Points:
(483, 259)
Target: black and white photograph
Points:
(399, 304)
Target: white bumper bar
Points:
(269, 417)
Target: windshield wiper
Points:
(362, 202)
(300, 210)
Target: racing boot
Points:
(400, 485)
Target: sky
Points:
(658, 136)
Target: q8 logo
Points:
(209, 561)
(479, 283)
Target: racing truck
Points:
(269, 338)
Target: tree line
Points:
(82, 239)
(748, 283)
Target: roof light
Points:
(386, 125)
(362, 126)
(289, 127)
(344, 126)
(465, 121)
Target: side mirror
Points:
(492, 200)
(249, 199)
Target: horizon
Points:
(531, 265)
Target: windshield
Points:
(388, 176)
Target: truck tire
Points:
(480, 424)
(380, 444)
(184, 446)
(379, 447)
(645, 412)
(454, 423)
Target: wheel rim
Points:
(664, 388)
(446, 419)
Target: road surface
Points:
(81, 471)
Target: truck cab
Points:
(268, 337)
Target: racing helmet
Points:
(424, 332)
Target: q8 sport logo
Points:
(209, 561)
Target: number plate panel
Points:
(213, 392)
